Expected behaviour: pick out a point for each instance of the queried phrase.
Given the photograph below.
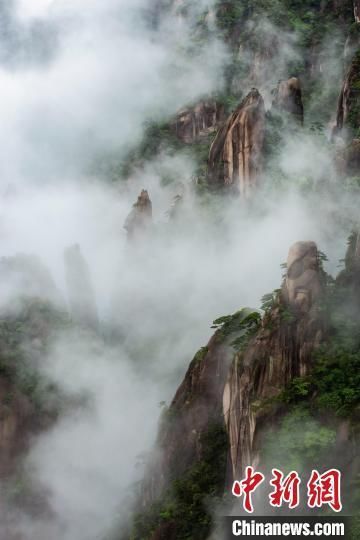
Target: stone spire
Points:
(140, 217)
(280, 351)
(288, 97)
(236, 154)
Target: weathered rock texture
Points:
(236, 154)
(193, 123)
(140, 218)
(235, 381)
(348, 112)
(288, 97)
(221, 387)
(357, 10)
(279, 352)
(80, 291)
(196, 405)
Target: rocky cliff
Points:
(242, 384)
(199, 121)
(278, 353)
(357, 11)
(348, 113)
(222, 385)
(235, 158)
(196, 405)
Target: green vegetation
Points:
(330, 394)
(334, 383)
(200, 355)
(299, 443)
(270, 300)
(25, 336)
(246, 322)
(188, 501)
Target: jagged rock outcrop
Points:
(196, 405)
(357, 10)
(222, 386)
(242, 383)
(347, 157)
(235, 158)
(140, 218)
(303, 285)
(80, 290)
(348, 111)
(279, 352)
(288, 98)
(195, 122)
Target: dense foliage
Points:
(187, 505)
(25, 336)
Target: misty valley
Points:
(179, 267)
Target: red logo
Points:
(286, 489)
(321, 489)
(325, 489)
(247, 487)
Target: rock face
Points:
(348, 112)
(288, 97)
(80, 291)
(357, 10)
(235, 381)
(140, 217)
(193, 123)
(197, 403)
(235, 158)
(280, 351)
(222, 386)
(302, 286)
(347, 157)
